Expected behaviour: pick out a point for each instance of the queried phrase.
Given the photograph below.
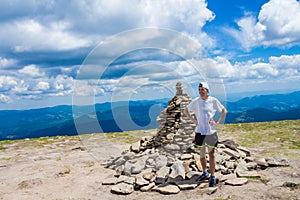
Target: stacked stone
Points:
(167, 162)
(175, 130)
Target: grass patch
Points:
(2, 148)
(281, 134)
(128, 137)
(295, 145)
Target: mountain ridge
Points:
(58, 120)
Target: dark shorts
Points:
(209, 140)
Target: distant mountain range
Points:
(58, 120)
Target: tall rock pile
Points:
(168, 162)
(175, 132)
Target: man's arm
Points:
(221, 118)
(187, 113)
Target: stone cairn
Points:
(168, 162)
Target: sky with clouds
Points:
(59, 52)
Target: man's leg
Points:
(212, 160)
(203, 158)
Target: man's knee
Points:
(211, 153)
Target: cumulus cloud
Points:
(56, 27)
(31, 70)
(6, 63)
(277, 67)
(31, 35)
(7, 82)
(5, 99)
(276, 25)
(42, 85)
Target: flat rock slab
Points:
(236, 181)
(167, 189)
(122, 188)
(211, 190)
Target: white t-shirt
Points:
(205, 111)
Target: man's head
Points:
(203, 85)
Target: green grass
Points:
(283, 134)
(272, 136)
(128, 137)
(2, 148)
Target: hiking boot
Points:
(213, 182)
(203, 177)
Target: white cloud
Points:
(7, 82)
(31, 70)
(5, 99)
(4, 62)
(278, 67)
(32, 35)
(277, 25)
(42, 85)
(57, 26)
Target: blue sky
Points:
(64, 52)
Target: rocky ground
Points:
(71, 167)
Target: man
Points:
(204, 108)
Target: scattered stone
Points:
(289, 184)
(140, 181)
(110, 181)
(210, 190)
(186, 156)
(167, 189)
(230, 144)
(79, 148)
(122, 188)
(262, 162)
(226, 177)
(232, 153)
(295, 175)
(177, 172)
(251, 165)
(135, 147)
(236, 181)
(149, 176)
(162, 174)
(242, 171)
(147, 188)
(245, 150)
(186, 184)
(30, 183)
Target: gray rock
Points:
(193, 175)
(167, 189)
(186, 156)
(236, 181)
(140, 181)
(251, 165)
(147, 188)
(122, 188)
(230, 144)
(230, 164)
(110, 181)
(162, 174)
(242, 171)
(211, 190)
(261, 162)
(139, 165)
(232, 153)
(186, 184)
(177, 172)
(160, 161)
(272, 162)
(245, 150)
(289, 184)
